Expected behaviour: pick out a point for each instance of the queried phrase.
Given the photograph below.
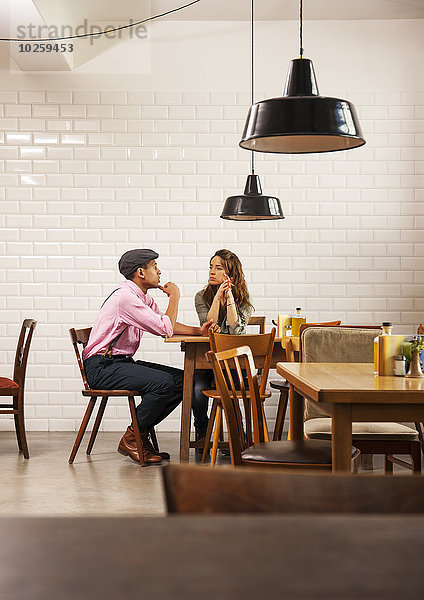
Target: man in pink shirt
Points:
(116, 335)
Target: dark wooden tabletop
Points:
(225, 557)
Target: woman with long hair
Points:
(225, 300)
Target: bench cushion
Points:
(320, 429)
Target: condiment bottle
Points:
(387, 330)
(399, 365)
(297, 321)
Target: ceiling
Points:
(236, 10)
(101, 13)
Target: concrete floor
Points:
(104, 484)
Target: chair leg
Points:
(416, 458)
(221, 431)
(136, 429)
(154, 439)
(356, 463)
(82, 429)
(419, 428)
(218, 424)
(20, 429)
(24, 442)
(367, 462)
(388, 465)
(265, 426)
(281, 414)
(18, 433)
(96, 426)
(208, 434)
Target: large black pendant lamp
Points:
(252, 205)
(302, 121)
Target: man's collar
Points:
(133, 286)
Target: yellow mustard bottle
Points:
(297, 321)
(387, 330)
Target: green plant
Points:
(405, 350)
(417, 343)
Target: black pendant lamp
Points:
(302, 121)
(252, 205)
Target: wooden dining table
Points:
(300, 557)
(350, 392)
(195, 348)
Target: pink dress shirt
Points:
(128, 307)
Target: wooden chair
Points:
(305, 454)
(262, 346)
(192, 489)
(283, 386)
(15, 387)
(80, 336)
(353, 343)
(259, 321)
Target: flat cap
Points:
(132, 259)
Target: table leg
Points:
(296, 402)
(189, 359)
(342, 438)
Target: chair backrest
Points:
(232, 388)
(80, 336)
(261, 344)
(22, 351)
(306, 325)
(346, 343)
(194, 489)
(260, 321)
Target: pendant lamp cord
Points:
(301, 29)
(252, 79)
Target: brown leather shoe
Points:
(145, 437)
(148, 444)
(128, 447)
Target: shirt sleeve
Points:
(202, 308)
(146, 317)
(239, 328)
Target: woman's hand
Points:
(230, 297)
(224, 289)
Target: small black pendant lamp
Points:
(252, 205)
(302, 121)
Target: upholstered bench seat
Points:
(320, 429)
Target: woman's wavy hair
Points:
(233, 269)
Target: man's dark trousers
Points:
(160, 386)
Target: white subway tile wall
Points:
(88, 175)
